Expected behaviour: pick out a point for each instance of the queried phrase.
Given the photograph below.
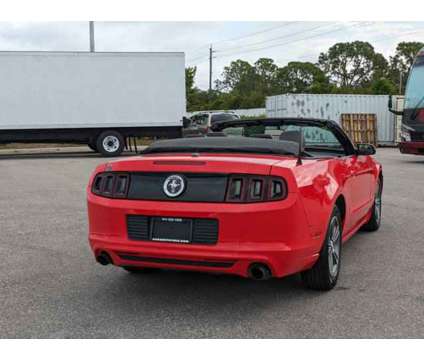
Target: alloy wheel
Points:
(334, 246)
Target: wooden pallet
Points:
(362, 128)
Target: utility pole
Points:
(92, 46)
(400, 82)
(210, 68)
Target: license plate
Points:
(171, 230)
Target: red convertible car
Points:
(257, 198)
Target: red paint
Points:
(286, 235)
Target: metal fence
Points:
(332, 106)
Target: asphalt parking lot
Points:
(51, 287)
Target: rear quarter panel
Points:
(319, 183)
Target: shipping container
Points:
(332, 106)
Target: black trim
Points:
(84, 135)
(202, 231)
(149, 186)
(218, 264)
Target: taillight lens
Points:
(111, 184)
(251, 188)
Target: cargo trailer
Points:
(100, 99)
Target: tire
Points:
(325, 272)
(92, 146)
(110, 143)
(138, 270)
(374, 222)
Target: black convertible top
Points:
(240, 144)
(224, 144)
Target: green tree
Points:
(383, 86)
(266, 76)
(239, 77)
(190, 74)
(352, 64)
(191, 91)
(402, 61)
(301, 77)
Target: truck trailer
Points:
(101, 99)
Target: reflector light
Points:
(252, 188)
(112, 185)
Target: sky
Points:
(281, 41)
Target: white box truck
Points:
(99, 99)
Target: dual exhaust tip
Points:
(256, 271)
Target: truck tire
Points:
(92, 146)
(110, 143)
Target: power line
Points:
(277, 38)
(397, 36)
(203, 58)
(289, 42)
(203, 47)
(256, 33)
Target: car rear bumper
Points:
(280, 260)
(412, 147)
(275, 234)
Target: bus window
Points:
(414, 91)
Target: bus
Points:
(412, 128)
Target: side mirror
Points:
(365, 149)
(390, 107)
(186, 122)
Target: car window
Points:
(234, 131)
(200, 120)
(317, 136)
(222, 117)
(317, 141)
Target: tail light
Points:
(240, 189)
(248, 188)
(111, 184)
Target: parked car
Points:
(201, 123)
(260, 199)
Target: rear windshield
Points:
(222, 117)
(315, 140)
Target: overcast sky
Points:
(282, 41)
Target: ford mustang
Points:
(256, 198)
